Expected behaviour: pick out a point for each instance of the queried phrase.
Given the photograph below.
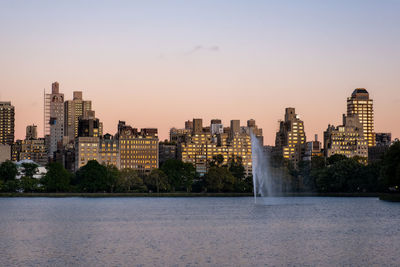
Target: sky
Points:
(160, 63)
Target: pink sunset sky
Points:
(159, 63)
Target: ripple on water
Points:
(198, 231)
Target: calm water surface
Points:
(199, 232)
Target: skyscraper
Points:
(73, 109)
(253, 128)
(235, 127)
(31, 132)
(216, 127)
(290, 139)
(54, 111)
(89, 125)
(197, 126)
(360, 103)
(7, 123)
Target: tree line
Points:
(339, 173)
(334, 174)
(172, 176)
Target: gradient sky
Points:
(159, 63)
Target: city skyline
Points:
(210, 60)
(112, 129)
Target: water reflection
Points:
(198, 231)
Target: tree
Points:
(57, 178)
(129, 180)
(236, 167)
(29, 169)
(217, 160)
(113, 174)
(180, 174)
(8, 171)
(335, 158)
(390, 172)
(188, 175)
(94, 177)
(157, 180)
(29, 184)
(11, 186)
(219, 179)
(341, 176)
(317, 162)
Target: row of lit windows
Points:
(138, 147)
(123, 162)
(139, 157)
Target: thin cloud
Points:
(202, 48)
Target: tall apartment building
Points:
(359, 103)
(7, 123)
(89, 125)
(253, 129)
(86, 149)
(73, 110)
(197, 126)
(54, 112)
(138, 150)
(189, 125)
(235, 127)
(87, 143)
(178, 135)
(34, 149)
(347, 139)
(109, 151)
(16, 150)
(216, 127)
(290, 139)
(31, 132)
(201, 145)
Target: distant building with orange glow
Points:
(290, 139)
(359, 103)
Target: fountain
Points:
(262, 178)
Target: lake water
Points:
(199, 232)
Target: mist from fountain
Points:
(262, 178)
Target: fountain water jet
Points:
(262, 179)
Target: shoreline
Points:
(390, 197)
(184, 194)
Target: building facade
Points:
(359, 103)
(35, 150)
(290, 139)
(202, 144)
(86, 149)
(89, 125)
(347, 139)
(383, 139)
(54, 111)
(7, 123)
(109, 153)
(73, 110)
(138, 150)
(5, 153)
(313, 149)
(167, 150)
(31, 132)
